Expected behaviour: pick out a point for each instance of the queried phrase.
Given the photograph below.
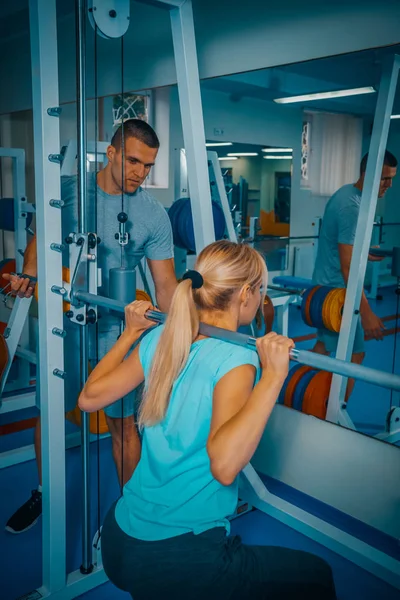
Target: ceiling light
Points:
(215, 144)
(325, 95)
(270, 157)
(227, 158)
(273, 150)
(395, 117)
(242, 153)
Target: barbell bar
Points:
(311, 359)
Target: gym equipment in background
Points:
(180, 215)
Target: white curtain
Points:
(340, 141)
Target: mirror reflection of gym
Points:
(258, 183)
(322, 113)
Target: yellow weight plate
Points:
(337, 309)
(326, 310)
(332, 309)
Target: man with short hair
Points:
(335, 248)
(114, 189)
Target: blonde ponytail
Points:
(225, 268)
(180, 330)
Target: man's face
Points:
(139, 159)
(388, 173)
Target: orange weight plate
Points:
(75, 417)
(308, 305)
(317, 394)
(294, 380)
(141, 295)
(95, 425)
(269, 314)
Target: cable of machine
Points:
(96, 333)
(395, 273)
(122, 218)
(80, 6)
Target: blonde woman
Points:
(205, 407)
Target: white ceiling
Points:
(355, 70)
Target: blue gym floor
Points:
(20, 564)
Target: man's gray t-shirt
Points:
(150, 236)
(338, 227)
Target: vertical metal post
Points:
(375, 267)
(19, 200)
(43, 34)
(387, 91)
(192, 120)
(20, 237)
(80, 6)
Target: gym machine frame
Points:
(55, 581)
(43, 28)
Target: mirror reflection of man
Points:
(335, 249)
(130, 159)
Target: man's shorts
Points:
(121, 408)
(330, 339)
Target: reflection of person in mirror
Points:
(335, 247)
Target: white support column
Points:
(43, 32)
(363, 235)
(192, 120)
